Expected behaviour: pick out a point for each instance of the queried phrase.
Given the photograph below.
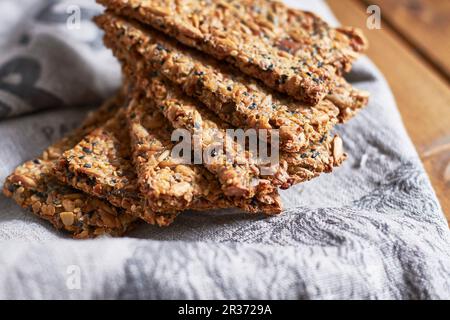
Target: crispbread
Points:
(284, 60)
(168, 182)
(33, 186)
(236, 99)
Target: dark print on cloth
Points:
(52, 133)
(24, 39)
(18, 77)
(4, 110)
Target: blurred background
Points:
(411, 46)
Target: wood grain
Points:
(423, 96)
(423, 23)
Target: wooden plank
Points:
(422, 95)
(423, 23)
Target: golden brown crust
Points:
(301, 62)
(235, 167)
(320, 158)
(236, 99)
(241, 181)
(33, 186)
(168, 182)
(348, 99)
(292, 168)
(99, 181)
(100, 165)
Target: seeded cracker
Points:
(33, 186)
(184, 113)
(118, 167)
(238, 100)
(237, 171)
(166, 181)
(100, 164)
(301, 62)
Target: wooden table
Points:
(412, 49)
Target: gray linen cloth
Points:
(371, 230)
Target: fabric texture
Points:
(372, 229)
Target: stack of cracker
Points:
(206, 67)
